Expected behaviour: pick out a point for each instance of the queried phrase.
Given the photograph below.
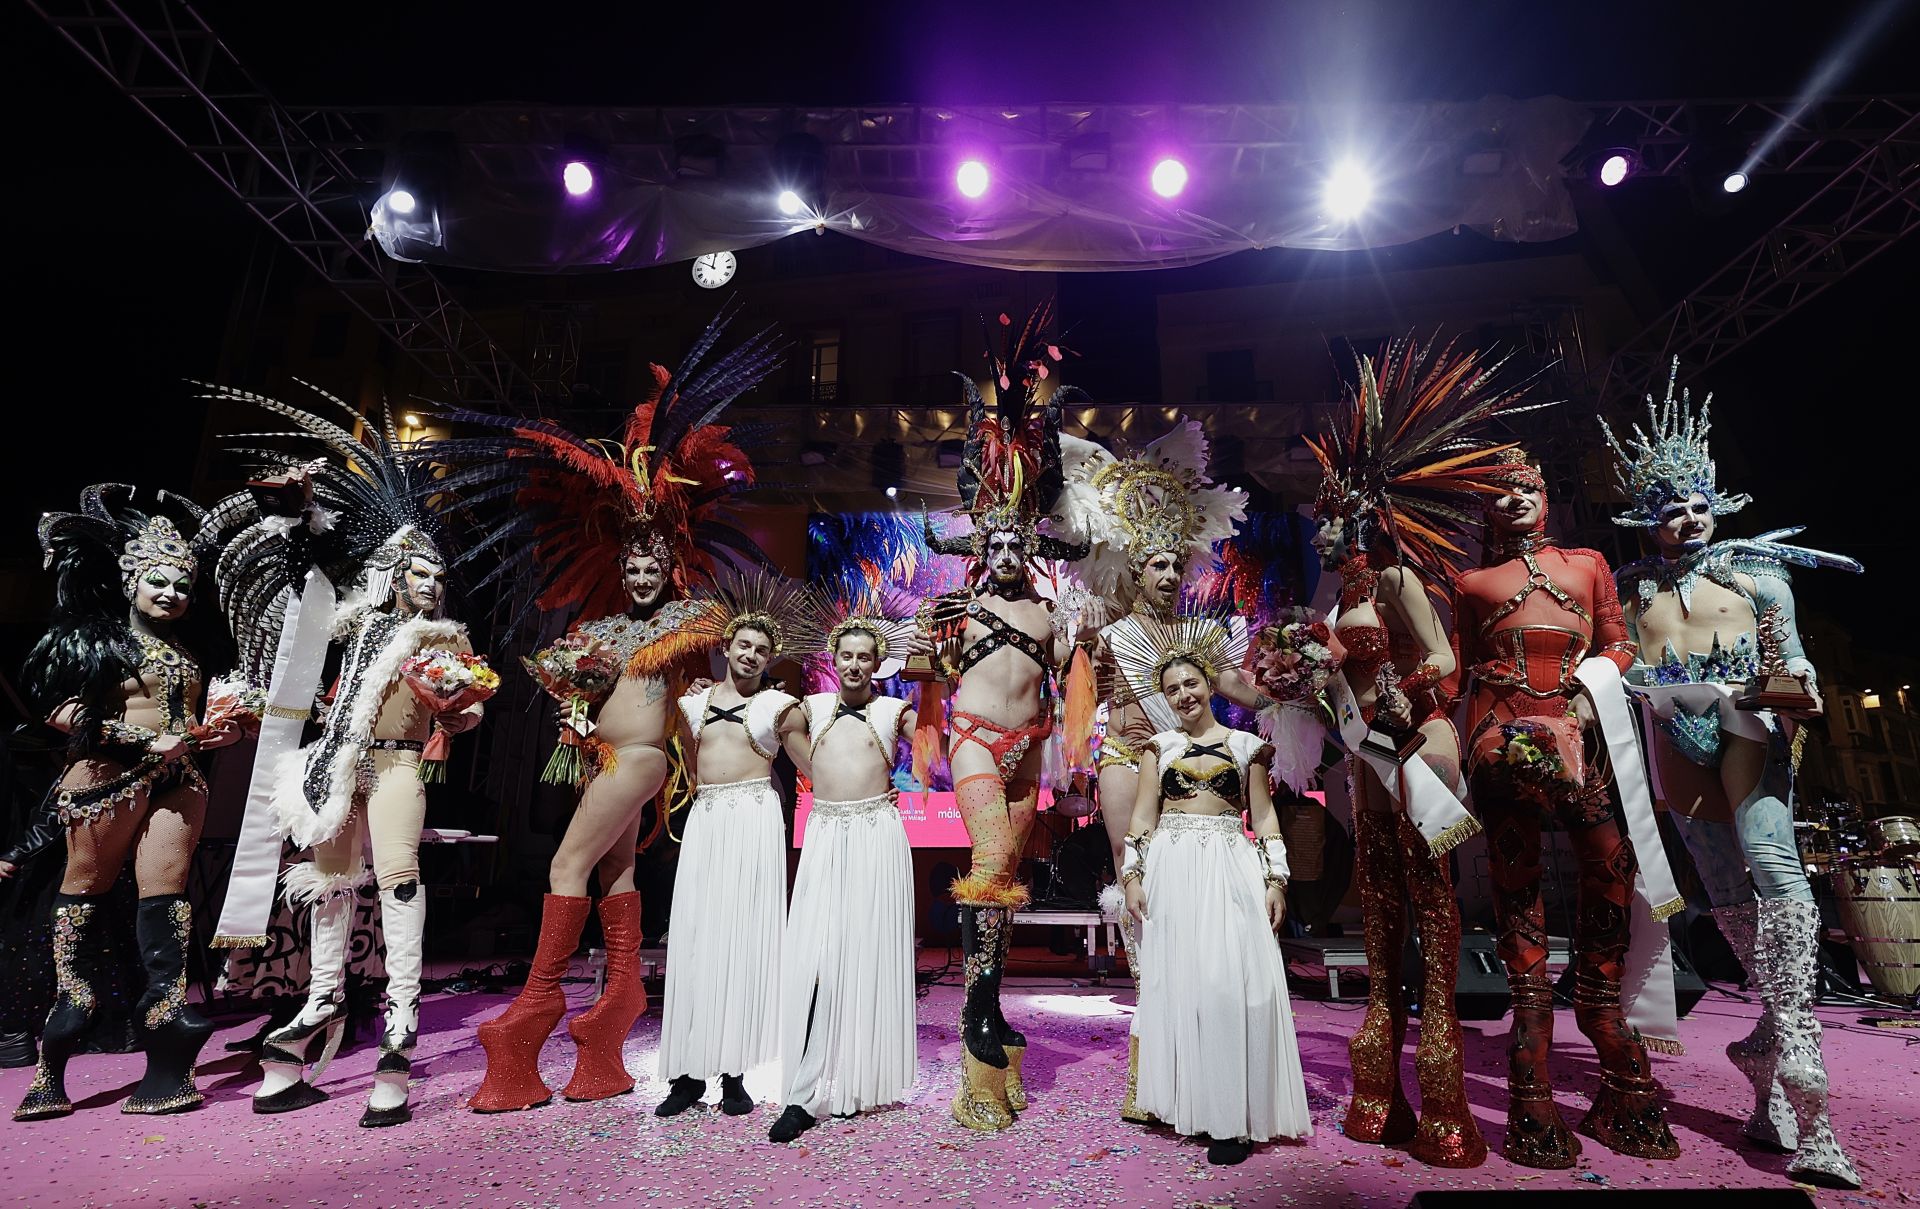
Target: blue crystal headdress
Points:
(1669, 460)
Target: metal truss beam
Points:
(1868, 206)
(308, 177)
(1801, 138)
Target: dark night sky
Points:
(130, 254)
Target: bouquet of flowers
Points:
(1293, 661)
(578, 673)
(1295, 658)
(447, 682)
(231, 703)
(1529, 751)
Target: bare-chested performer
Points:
(621, 533)
(1003, 642)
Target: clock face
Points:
(714, 270)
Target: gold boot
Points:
(980, 1102)
(1130, 1111)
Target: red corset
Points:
(1368, 646)
(1536, 660)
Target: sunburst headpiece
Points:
(1144, 652)
(1668, 460)
(879, 616)
(782, 609)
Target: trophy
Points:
(1386, 742)
(1773, 686)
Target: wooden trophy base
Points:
(1778, 691)
(1387, 746)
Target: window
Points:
(823, 353)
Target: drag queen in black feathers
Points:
(122, 676)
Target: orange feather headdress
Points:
(581, 504)
(1405, 451)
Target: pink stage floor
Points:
(1068, 1149)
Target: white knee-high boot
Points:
(313, 1035)
(403, 917)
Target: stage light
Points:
(789, 202)
(1169, 177)
(401, 202)
(1348, 190)
(1735, 181)
(972, 178)
(1615, 169)
(893, 493)
(412, 420)
(577, 177)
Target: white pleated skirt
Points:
(1217, 1050)
(849, 962)
(723, 939)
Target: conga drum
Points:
(1879, 904)
(1896, 836)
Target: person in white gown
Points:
(1217, 1052)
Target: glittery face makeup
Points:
(854, 658)
(643, 578)
(1520, 510)
(421, 587)
(1159, 581)
(1685, 525)
(162, 593)
(1006, 558)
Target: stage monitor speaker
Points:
(943, 914)
(1481, 991)
(1623, 1198)
(1687, 986)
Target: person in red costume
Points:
(1525, 624)
(1398, 478)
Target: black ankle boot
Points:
(734, 1100)
(172, 1032)
(686, 1092)
(981, 930)
(1225, 1152)
(792, 1123)
(76, 956)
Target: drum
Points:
(1896, 835)
(1879, 903)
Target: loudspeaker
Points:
(1623, 1198)
(1481, 991)
(943, 914)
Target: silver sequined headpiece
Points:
(1668, 460)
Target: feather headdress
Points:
(379, 504)
(1158, 501)
(578, 504)
(1668, 460)
(1010, 472)
(1404, 454)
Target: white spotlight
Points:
(972, 178)
(1613, 170)
(789, 202)
(401, 202)
(1348, 190)
(1736, 181)
(578, 178)
(893, 493)
(1169, 177)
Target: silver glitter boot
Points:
(1789, 948)
(1757, 1055)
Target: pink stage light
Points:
(972, 178)
(1169, 177)
(578, 178)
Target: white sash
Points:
(1435, 813)
(298, 662)
(1646, 987)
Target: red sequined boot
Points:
(514, 1037)
(600, 1070)
(1380, 1112)
(1447, 1135)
